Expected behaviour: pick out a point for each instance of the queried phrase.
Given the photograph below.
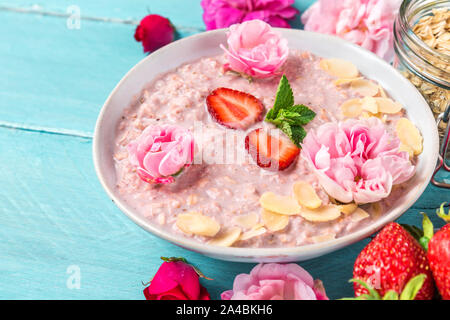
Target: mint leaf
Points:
(306, 115)
(288, 117)
(284, 98)
(298, 134)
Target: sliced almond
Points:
(404, 147)
(351, 108)
(348, 208)
(194, 223)
(274, 221)
(386, 105)
(364, 87)
(341, 69)
(324, 237)
(306, 195)
(340, 82)
(279, 204)
(359, 215)
(227, 238)
(382, 92)
(254, 232)
(323, 214)
(377, 210)
(409, 135)
(247, 221)
(370, 104)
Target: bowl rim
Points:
(249, 252)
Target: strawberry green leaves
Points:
(409, 292)
(441, 213)
(288, 117)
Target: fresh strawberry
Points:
(273, 152)
(234, 109)
(439, 259)
(390, 260)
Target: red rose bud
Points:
(154, 32)
(176, 280)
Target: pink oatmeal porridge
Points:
(230, 193)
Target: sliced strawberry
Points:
(274, 152)
(234, 109)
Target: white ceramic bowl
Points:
(207, 44)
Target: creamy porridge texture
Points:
(230, 193)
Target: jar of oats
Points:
(422, 47)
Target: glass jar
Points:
(427, 68)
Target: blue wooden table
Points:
(55, 219)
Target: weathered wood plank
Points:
(59, 78)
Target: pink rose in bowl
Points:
(356, 160)
(176, 280)
(161, 152)
(255, 49)
(274, 281)
(368, 23)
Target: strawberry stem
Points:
(441, 213)
(428, 231)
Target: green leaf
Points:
(441, 213)
(305, 114)
(413, 287)
(428, 231)
(416, 232)
(288, 117)
(284, 98)
(391, 295)
(373, 294)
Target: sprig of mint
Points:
(288, 117)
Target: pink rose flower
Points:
(368, 23)
(357, 160)
(154, 32)
(161, 152)
(275, 281)
(223, 13)
(255, 49)
(176, 280)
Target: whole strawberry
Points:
(439, 258)
(390, 261)
(439, 255)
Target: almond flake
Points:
(352, 108)
(195, 223)
(359, 215)
(323, 214)
(274, 221)
(366, 88)
(255, 232)
(409, 135)
(340, 82)
(227, 238)
(341, 69)
(386, 105)
(323, 237)
(377, 209)
(279, 204)
(382, 92)
(247, 221)
(370, 104)
(348, 208)
(306, 195)
(403, 147)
